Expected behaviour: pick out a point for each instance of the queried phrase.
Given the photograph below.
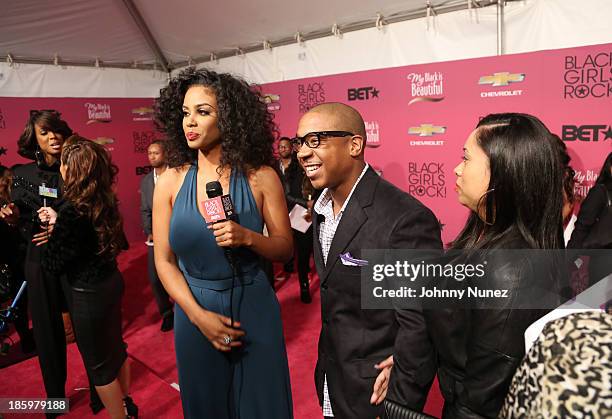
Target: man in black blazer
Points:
(157, 158)
(359, 210)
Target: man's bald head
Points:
(342, 117)
(337, 160)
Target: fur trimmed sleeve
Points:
(67, 243)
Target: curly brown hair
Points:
(6, 179)
(247, 126)
(88, 186)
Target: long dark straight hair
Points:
(525, 197)
(605, 176)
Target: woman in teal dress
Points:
(230, 364)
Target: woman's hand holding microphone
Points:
(48, 216)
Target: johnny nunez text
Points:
(434, 292)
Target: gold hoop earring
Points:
(480, 201)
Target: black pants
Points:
(46, 302)
(303, 248)
(164, 305)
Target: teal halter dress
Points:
(250, 382)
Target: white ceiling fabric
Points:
(81, 31)
(89, 29)
(75, 30)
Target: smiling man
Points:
(358, 210)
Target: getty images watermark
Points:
(494, 279)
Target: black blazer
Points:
(292, 180)
(147, 185)
(25, 194)
(352, 340)
(590, 210)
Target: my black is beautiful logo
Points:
(98, 112)
(373, 133)
(426, 87)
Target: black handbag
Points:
(397, 411)
(600, 235)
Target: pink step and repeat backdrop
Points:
(417, 118)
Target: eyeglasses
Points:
(313, 139)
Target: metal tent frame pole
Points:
(500, 27)
(144, 29)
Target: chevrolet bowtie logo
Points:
(426, 130)
(142, 110)
(502, 79)
(271, 98)
(104, 140)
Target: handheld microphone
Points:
(217, 207)
(46, 192)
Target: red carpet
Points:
(152, 353)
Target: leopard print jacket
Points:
(567, 373)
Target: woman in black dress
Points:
(81, 254)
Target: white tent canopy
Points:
(167, 35)
(124, 48)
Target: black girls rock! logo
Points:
(426, 179)
(310, 95)
(588, 76)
